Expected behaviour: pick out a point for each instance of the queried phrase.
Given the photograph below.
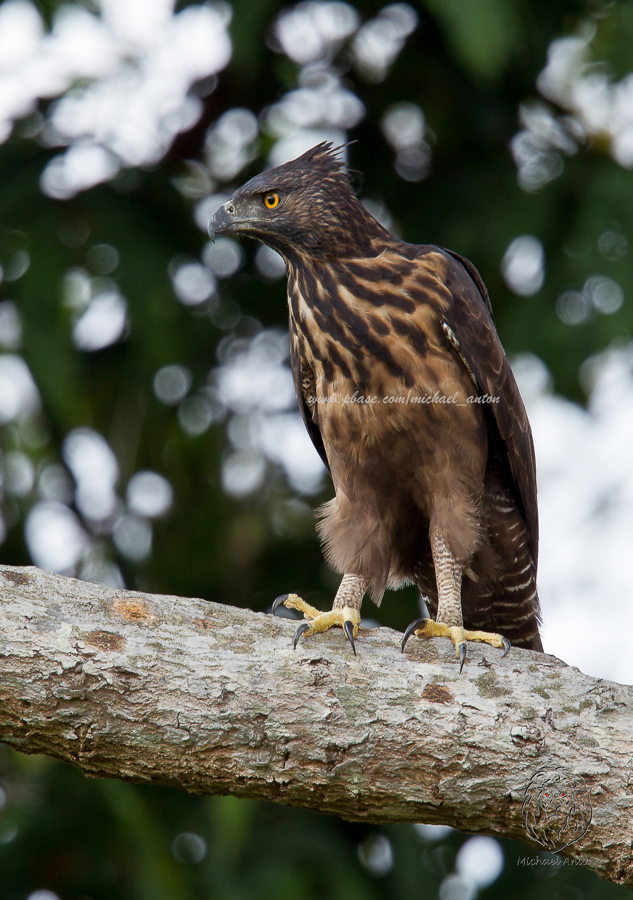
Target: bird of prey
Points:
(408, 397)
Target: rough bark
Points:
(213, 699)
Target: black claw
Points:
(281, 599)
(462, 657)
(506, 647)
(414, 626)
(303, 627)
(348, 628)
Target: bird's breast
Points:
(387, 392)
(386, 395)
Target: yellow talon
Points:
(345, 617)
(427, 628)
(293, 601)
(326, 620)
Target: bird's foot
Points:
(345, 617)
(427, 628)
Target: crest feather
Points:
(325, 156)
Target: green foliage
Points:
(483, 34)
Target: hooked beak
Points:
(222, 221)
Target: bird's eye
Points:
(271, 201)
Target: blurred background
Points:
(149, 436)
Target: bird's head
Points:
(305, 207)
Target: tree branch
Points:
(214, 700)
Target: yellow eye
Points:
(271, 201)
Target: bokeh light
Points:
(196, 414)
(172, 383)
(132, 65)
(310, 31)
(596, 106)
(523, 265)
(103, 258)
(573, 307)
(378, 42)
(54, 483)
(54, 536)
(95, 470)
(605, 294)
(18, 394)
(224, 257)
(404, 127)
(149, 494)
(189, 848)
(133, 537)
(193, 283)
(243, 472)
(376, 854)
(269, 263)
(102, 323)
(432, 832)
(454, 887)
(585, 496)
(231, 143)
(19, 473)
(480, 861)
(255, 384)
(10, 326)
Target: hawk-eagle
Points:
(410, 401)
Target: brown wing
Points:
(476, 277)
(305, 388)
(469, 327)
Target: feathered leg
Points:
(449, 623)
(345, 610)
